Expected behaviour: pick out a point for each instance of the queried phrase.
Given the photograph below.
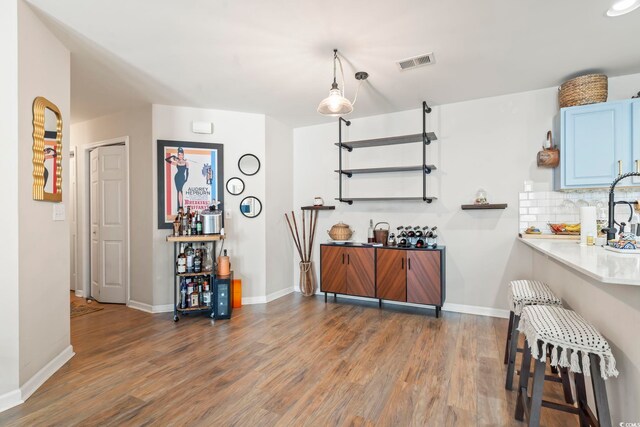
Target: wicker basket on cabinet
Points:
(587, 89)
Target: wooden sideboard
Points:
(414, 275)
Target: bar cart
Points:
(202, 239)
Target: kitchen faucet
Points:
(611, 230)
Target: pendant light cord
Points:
(344, 89)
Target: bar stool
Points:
(523, 293)
(575, 344)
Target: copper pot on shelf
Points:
(549, 157)
(381, 235)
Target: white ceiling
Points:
(275, 57)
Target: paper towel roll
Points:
(587, 223)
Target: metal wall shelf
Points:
(485, 206)
(350, 172)
(390, 140)
(425, 138)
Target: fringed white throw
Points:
(530, 292)
(563, 329)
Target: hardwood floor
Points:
(294, 361)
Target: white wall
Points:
(9, 337)
(279, 197)
(240, 133)
(488, 143)
(43, 249)
(136, 124)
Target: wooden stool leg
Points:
(581, 397)
(599, 393)
(506, 347)
(566, 385)
(513, 350)
(536, 392)
(523, 394)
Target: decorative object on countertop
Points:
(481, 198)
(47, 151)
(340, 232)
(549, 157)
(568, 229)
(381, 235)
(317, 201)
(588, 226)
(582, 90)
(533, 230)
(307, 279)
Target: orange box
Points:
(237, 293)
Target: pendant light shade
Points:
(336, 104)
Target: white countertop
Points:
(594, 261)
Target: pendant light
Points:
(336, 104)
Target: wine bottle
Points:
(183, 293)
(194, 229)
(197, 262)
(182, 261)
(370, 234)
(198, 224)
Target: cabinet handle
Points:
(348, 258)
(409, 262)
(343, 258)
(619, 167)
(402, 263)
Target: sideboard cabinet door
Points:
(424, 277)
(391, 274)
(333, 276)
(361, 268)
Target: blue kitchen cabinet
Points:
(596, 144)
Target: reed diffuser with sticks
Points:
(307, 280)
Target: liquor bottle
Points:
(189, 253)
(185, 225)
(370, 235)
(207, 262)
(182, 261)
(197, 262)
(194, 228)
(198, 224)
(200, 284)
(189, 292)
(195, 299)
(183, 293)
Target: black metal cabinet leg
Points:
(506, 347)
(379, 303)
(599, 392)
(325, 297)
(536, 393)
(335, 297)
(438, 308)
(513, 349)
(523, 394)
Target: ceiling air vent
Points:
(416, 61)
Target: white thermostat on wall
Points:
(202, 127)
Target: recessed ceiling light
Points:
(623, 7)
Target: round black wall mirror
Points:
(249, 164)
(235, 186)
(250, 207)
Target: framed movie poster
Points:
(190, 174)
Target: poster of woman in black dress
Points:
(182, 173)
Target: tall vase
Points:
(307, 281)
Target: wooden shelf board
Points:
(391, 140)
(202, 273)
(486, 206)
(318, 208)
(373, 199)
(205, 308)
(199, 238)
(387, 169)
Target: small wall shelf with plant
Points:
(425, 169)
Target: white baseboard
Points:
(254, 300)
(148, 308)
(10, 399)
(279, 294)
(45, 373)
(454, 308)
(477, 310)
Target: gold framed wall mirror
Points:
(47, 151)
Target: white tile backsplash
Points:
(538, 208)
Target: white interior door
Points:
(108, 215)
(73, 223)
